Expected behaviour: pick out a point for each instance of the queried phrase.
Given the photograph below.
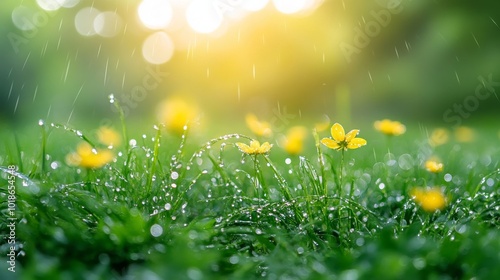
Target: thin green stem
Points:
(154, 159)
(256, 175)
(341, 176)
(321, 163)
(44, 147)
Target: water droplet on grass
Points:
(448, 177)
(156, 230)
(174, 175)
(132, 142)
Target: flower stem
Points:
(255, 177)
(341, 176)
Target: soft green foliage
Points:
(214, 224)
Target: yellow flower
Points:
(293, 143)
(341, 140)
(433, 165)
(464, 134)
(323, 125)
(257, 127)
(255, 147)
(388, 127)
(86, 157)
(108, 136)
(430, 199)
(176, 113)
(439, 136)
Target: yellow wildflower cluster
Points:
(434, 165)
(88, 157)
(175, 114)
(388, 127)
(293, 142)
(430, 199)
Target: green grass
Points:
(183, 208)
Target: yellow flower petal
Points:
(255, 148)
(244, 148)
(349, 136)
(266, 147)
(332, 144)
(338, 133)
(356, 143)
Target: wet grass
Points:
(177, 207)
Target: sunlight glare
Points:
(255, 5)
(290, 6)
(155, 14)
(203, 17)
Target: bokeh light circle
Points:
(203, 16)
(155, 14)
(68, 3)
(255, 5)
(84, 21)
(290, 6)
(22, 18)
(107, 24)
(158, 48)
(49, 5)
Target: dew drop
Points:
(174, 175)
(132, 142)
(448, 177)
(54, 165)
(156, 230)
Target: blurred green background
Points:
(415, 65)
